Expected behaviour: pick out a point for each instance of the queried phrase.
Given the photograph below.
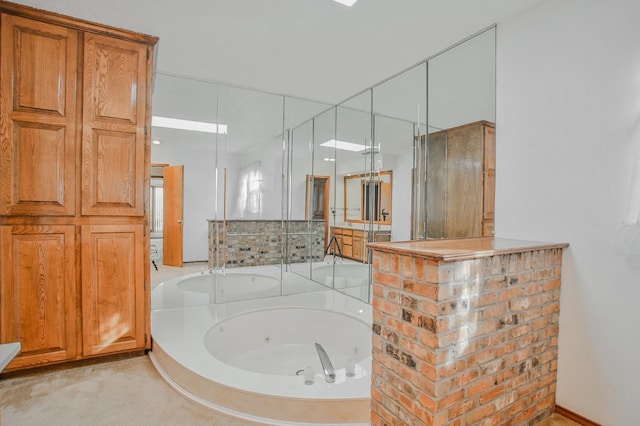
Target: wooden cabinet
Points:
(353, 242)
(113, 147)
(112, 300)
(37, 295)
(461, 181)
(74, 176)
(38, 68)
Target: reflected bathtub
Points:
(350, 278)
(203, 288)
(244, 357)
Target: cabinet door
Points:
(113, 293)
(114, 120)
(38, 292)
(38, 75)
(358, 248)
(488, 215)
(464, 182)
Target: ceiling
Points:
(313, 49)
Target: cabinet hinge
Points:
(145, 338)
(148, 53)
(144, 231)
(145, 285)
(145, 130)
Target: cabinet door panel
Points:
(38, 106)
(464, 194)
(37, 292)
(113, 307)
(113, 141)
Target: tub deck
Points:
(180, 355)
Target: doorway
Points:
(317, 205)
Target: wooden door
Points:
(38, 64)
(114, 127)
(113, 288)
(172, 234)
(38, 292)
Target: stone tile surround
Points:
(465, 332)
(259, 242)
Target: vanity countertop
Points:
(448, 250)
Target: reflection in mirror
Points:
(460, 155)
(194, 100)
(309, 181)
(400, 115)
(355, 154)
(368, 198)
(276, 177)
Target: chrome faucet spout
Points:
(327, 367)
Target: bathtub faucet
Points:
(327, 367)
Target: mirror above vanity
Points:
(368, 197)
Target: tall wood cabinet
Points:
(460, 186)
(74, 177)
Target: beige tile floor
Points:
(123, 392)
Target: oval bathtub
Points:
(243, 358)
(231, 287)
(282, 341)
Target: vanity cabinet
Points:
(353, 242)
(461, 181)
(74, 177)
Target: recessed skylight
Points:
(195, 126)
(347, 146)
(346, 2)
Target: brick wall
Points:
(466, 342)
(259, 242)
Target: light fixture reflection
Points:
(195, 126)
(346, 2)
(347, 146)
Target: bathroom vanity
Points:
(352, 242)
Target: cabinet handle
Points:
(179, 221)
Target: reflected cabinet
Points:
(74, 168)
(461, 181)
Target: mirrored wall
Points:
(295, 190)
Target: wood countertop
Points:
(449, 250)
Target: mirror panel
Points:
(355, 155)
(400, 113)
(459, 154)
(280, 162)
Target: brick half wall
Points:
(465, 342)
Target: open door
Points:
(173, 215)
(317, 206)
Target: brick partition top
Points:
(465, 332)
(463, 248)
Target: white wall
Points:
(568, 148)
(199, 198)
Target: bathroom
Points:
(550, 100)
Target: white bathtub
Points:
(203, 288)
(282, 341)
(242, 357)
(230, 287)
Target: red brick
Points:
(478, 414)
(480, 386)
(465, 406)
(450, 399)
(491, 394)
